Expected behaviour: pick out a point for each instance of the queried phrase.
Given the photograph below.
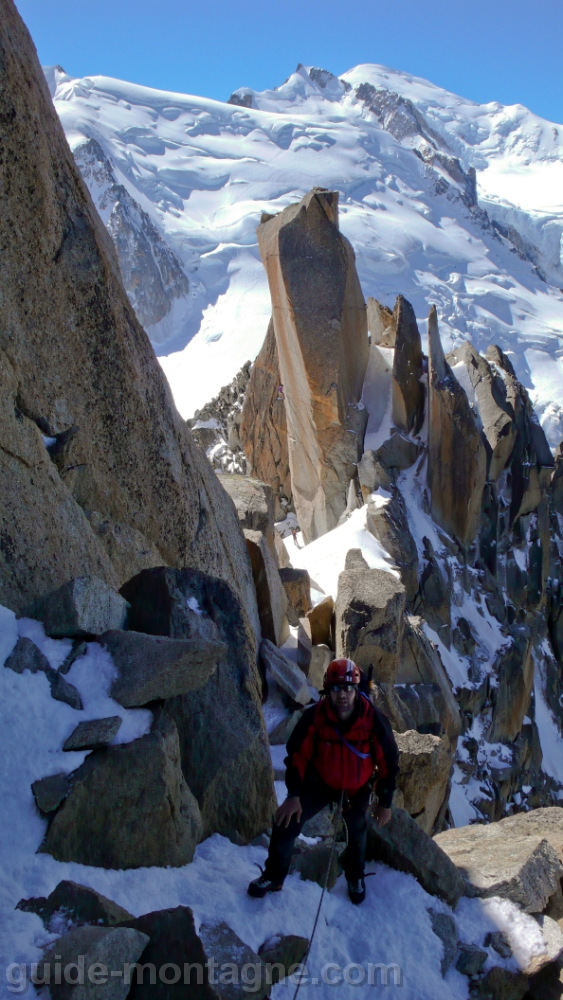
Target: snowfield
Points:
(205, 171)
(348, 938)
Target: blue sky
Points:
(487, 50)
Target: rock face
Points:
(151, 668)
(223, 740)
(387, 521)
(321, 335)
(424, 770)
(297, 586)
(485, 391)
(369, 620)
(94, 948)
(407, 389)
(457, 461)
(495, 861)
(82, 607)
(129, 807)
(254, 503)
(74, 361)
(263, 428)
(270, 592)
(381, 323)
(152, 274)
(290, 678)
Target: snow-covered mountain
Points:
(444, 200)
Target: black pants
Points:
(314, 798)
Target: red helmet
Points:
(342, 671)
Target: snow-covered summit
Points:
(485, 247)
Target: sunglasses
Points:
(337, 688)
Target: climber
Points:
(280, 392)
(294, 532)
(342, 746)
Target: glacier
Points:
(444, 200)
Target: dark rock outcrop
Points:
(270, 593)
(92, 947)
(297, 584)
(94, 734)
(407, 389)
(263, 427)
(456, 453)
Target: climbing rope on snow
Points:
(329, 866)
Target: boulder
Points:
(304, 645)
(553, 941)
(546, 823)
(225, 753)
(263, 426)
(471, 959)
(420, 663)
(387, 521)
(381, 323)
(254, 504)
(500, 984)
(424, 769)
(284, 561)
(27, 656)
(51, 791)
(93, 734)
(230, 954)
(425, 705)
(281, 953)
(76, 905)
(79, 648)
(281, 733)
(321, 619)
(457, 461)
(85, 606)
(61, 690)
(290, 677)
(397, 453)
(312, 862)
(83, 954)
(321, 656)
(73, 356)
(372, 474)
(270, 593)
(444, 927)
(495, 861)
(485, 390)
(403, 845)
(407, 391)
(547, 984)
(129, 807)
(173, 944)
(369, 620)
(297, 585)
(321, 335)
(151, 668)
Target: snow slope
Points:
(204, 171)
(34, 728)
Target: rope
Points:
(329, 866)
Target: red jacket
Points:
(344, 756)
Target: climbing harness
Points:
(329, 866)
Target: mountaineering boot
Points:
(356, 890)
(263, 885)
